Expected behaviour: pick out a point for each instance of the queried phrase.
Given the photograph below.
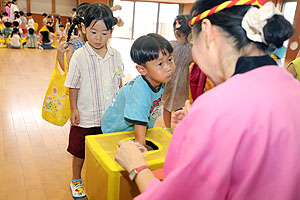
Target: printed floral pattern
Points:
(54, 102)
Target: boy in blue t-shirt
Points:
(137, 105)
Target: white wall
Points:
(22, 4)
(45, 6)
(41, 6)
(64, 7)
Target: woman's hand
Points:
(180, 114)
(74, 117)
(129, 156)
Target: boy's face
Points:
(97, 34)
(61, 28)
(158, 71)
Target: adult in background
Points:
(13, 8)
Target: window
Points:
(289, 10)
(167, 15)
(141, 18)
(145, 18)
(65, 7)
(126, 14)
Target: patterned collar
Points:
(76, 44)
(92, 52)
(245, 64)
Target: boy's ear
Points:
(141, 70)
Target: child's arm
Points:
(74, 117)
(140, 132)
(69, 53)
(60, 55)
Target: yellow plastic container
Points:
(107, 180)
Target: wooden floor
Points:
(34, 164)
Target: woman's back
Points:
(241, 139)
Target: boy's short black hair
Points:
(74, 9)
(29, 14)
(5, 14)
(17, 15)
(21, 13)
(49, 16)
(45, 14)
(7, 24)
(31, 31)
(61, 25)
(16, 24)
(146, 48)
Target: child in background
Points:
(23, 22)
(50, 24)
(30, 21)
(1, 23)
(6, 31)
(73, 45)
(44, 18)
(73, 14)
(62, 36)
(15, 39)
(94, 77)
(45, 42)
(137, 105)
(5, 17)
(7, 9)
(31, 39)
(177, 90)
(17, 18)
(68, 24)
(57, 23)
(17, 25)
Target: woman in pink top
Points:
(240, 140)
(7, 8)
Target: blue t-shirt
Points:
(138, 102)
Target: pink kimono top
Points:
(7, 9)
(240, 141)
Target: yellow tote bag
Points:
(56, 105)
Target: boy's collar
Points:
(155, 90)
(92, 52)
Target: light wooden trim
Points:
(53, 7)
(291, 54)
(28, 5)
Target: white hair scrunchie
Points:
(256, 18)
